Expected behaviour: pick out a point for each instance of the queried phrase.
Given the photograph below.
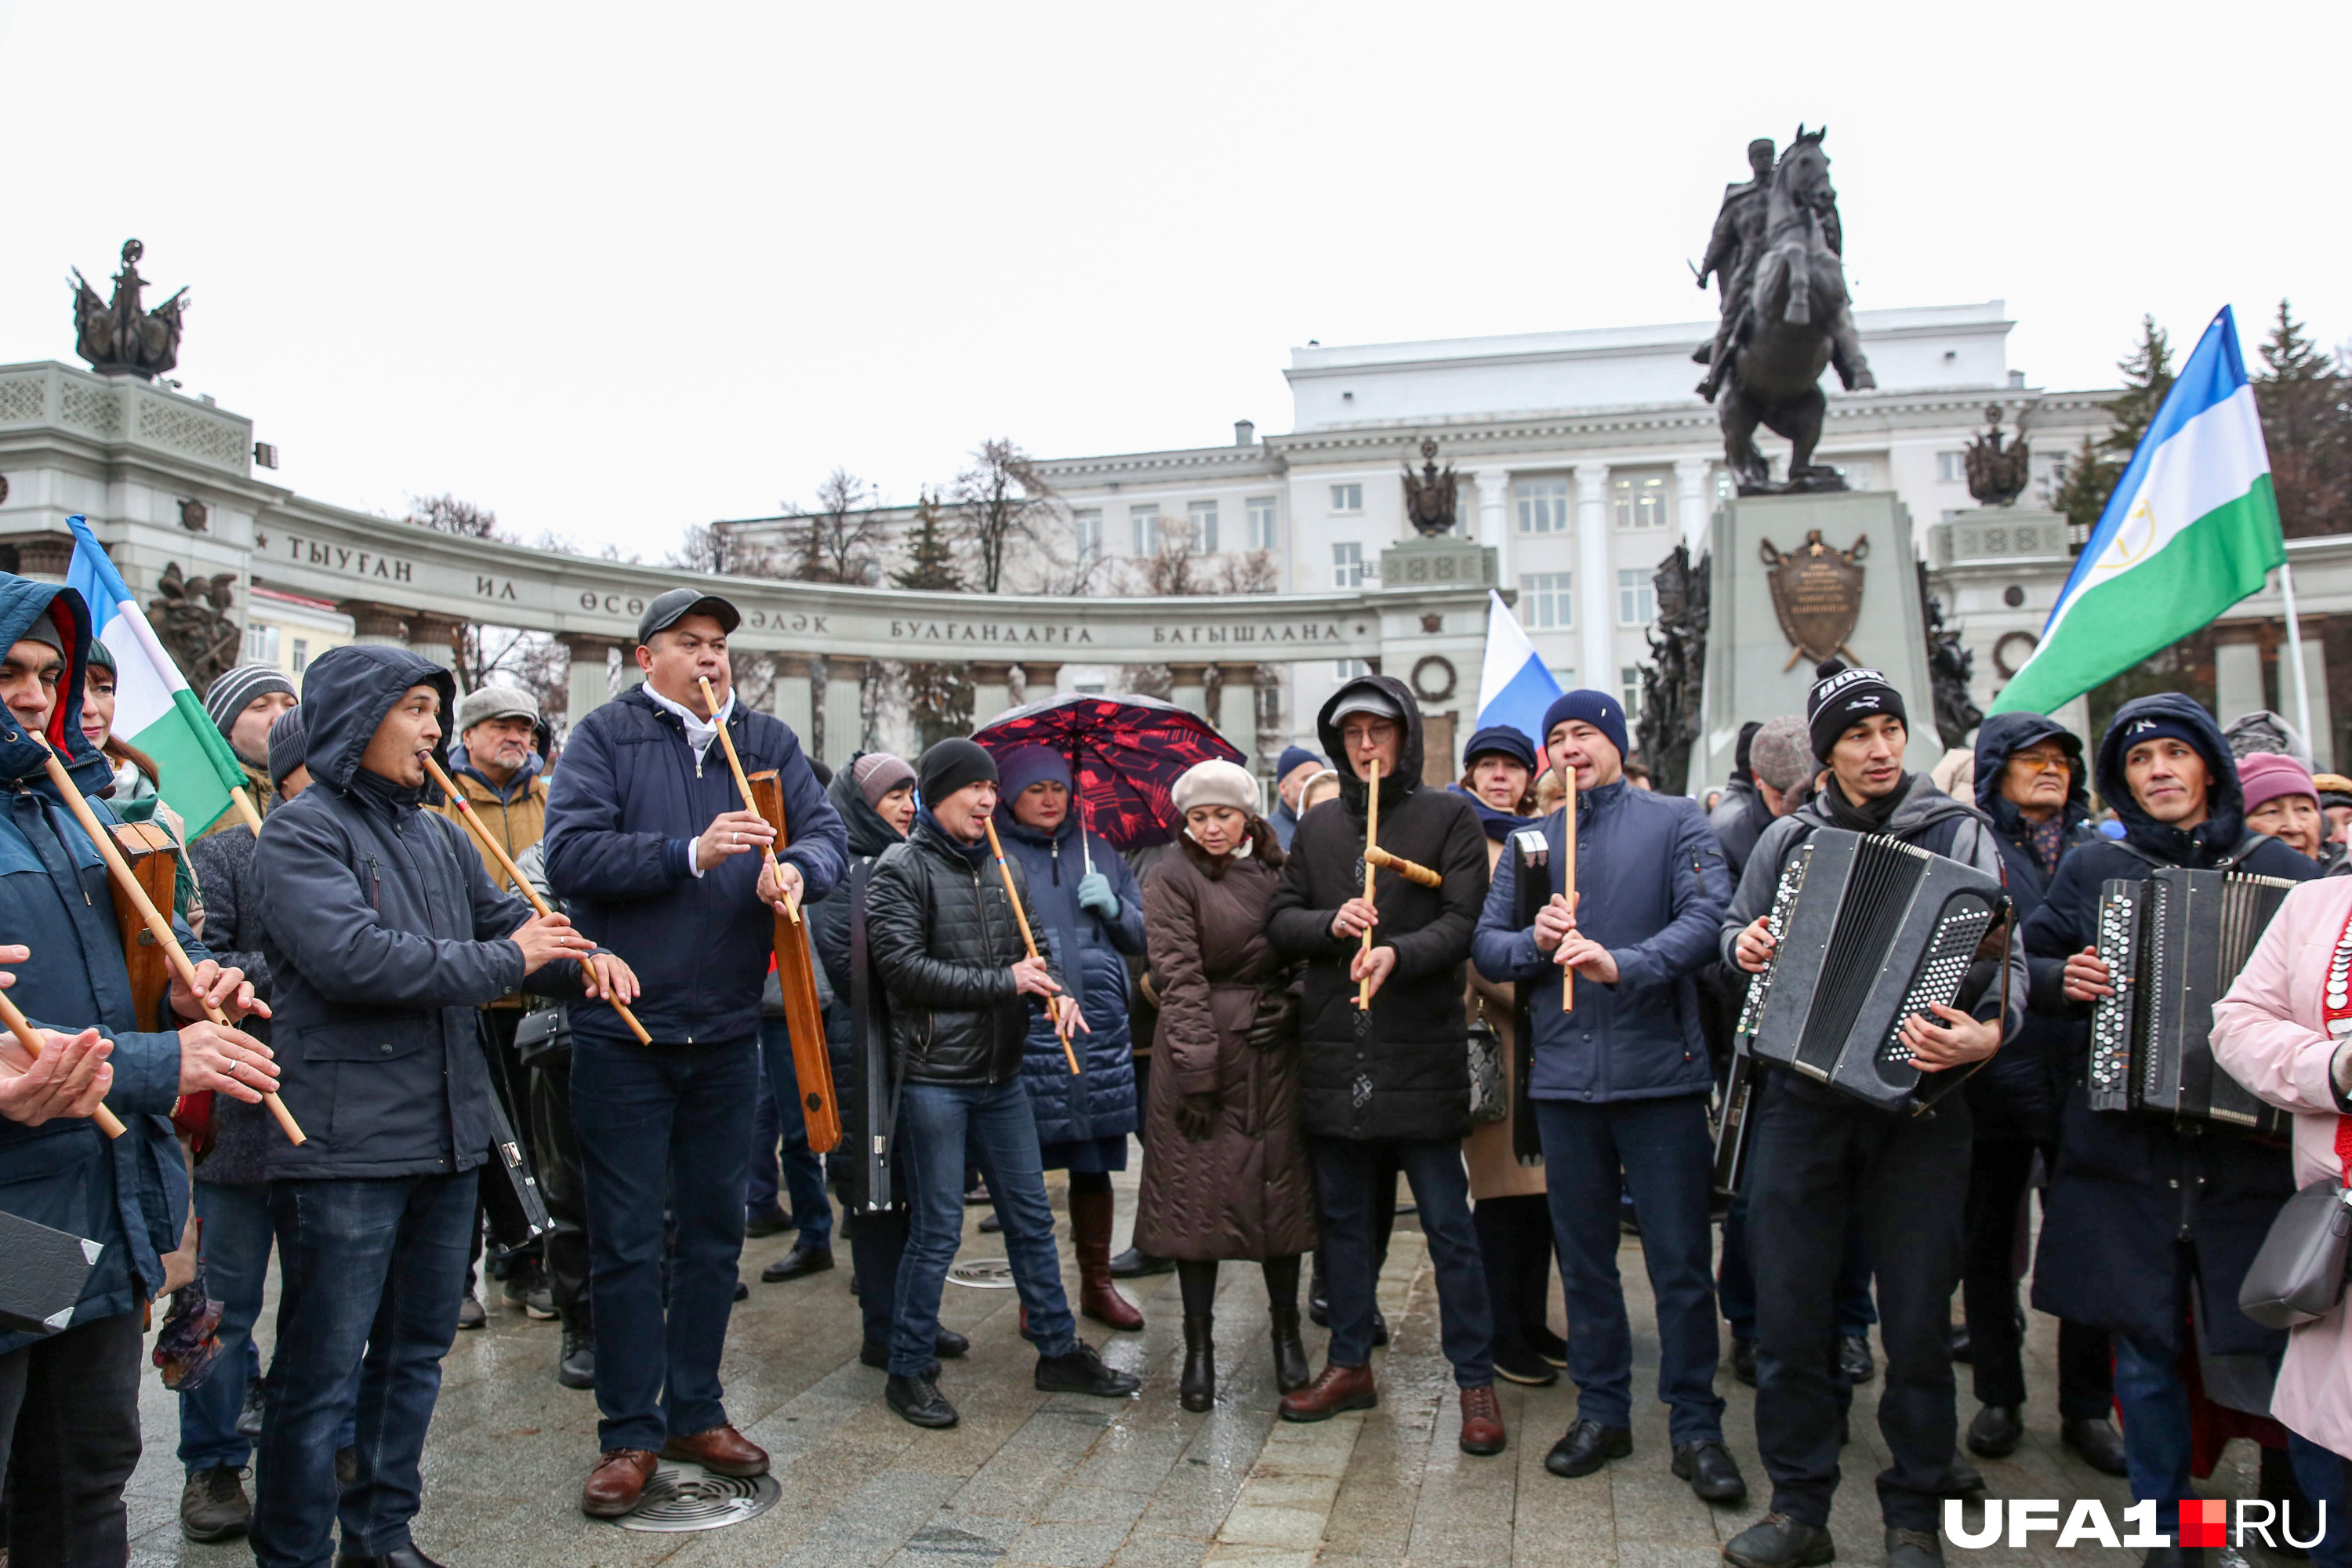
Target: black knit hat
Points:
(950, 765)
(1843, 697)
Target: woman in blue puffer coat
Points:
(1090, 919)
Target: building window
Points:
(1346, 566)
(1349, 668)
(1203, 517)
(1261, 522)
(1543, 506)
(1347, 498)
(1637, 599)
(1639, 502)
(1546, 600)
(1143, 526)
(1861, 476)
(1952, 468)
(1629, 680)
(301, 654)
(1565, 676)
(1086, 526)
(260, 645)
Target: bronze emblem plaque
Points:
(1817, 593)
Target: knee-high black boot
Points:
(1198, 1388)
(1290, 1372)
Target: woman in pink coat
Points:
(2270, 1033)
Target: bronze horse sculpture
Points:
(1796, 321)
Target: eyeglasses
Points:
(2048, 761)
(1376, 733)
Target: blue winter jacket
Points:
(1099, 1103)
(130, 1194)
(382, 935)
(629, 798)
(1655, 886)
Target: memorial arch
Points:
(168, 482)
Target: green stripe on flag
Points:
(197, 767)
(2208, 567)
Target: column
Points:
(590, 681)
(2238, 680)
(378, 624)
(1596, 583)
(1694, 507)
(992, 691)
(794, 699)
(1039, 680)
(1189, 688)
(845, 718)
(435, 638)
(2322, 723)
(1237, 700)
(1495, 519)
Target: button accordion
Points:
(2173, 943)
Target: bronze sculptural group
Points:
(117, 336)
(1997, 475)
(1429, 496)
(1786, 315)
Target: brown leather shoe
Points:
(1482, 1421)
(722, 1450)
(616, 1482)
(1337, 1388)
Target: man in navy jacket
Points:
(662, 861)
(1620, 1084)
(74, 1393)
(383, 936)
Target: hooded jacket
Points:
(2017, 1094)
(383, 936)
(129, 1193)
(1089, 954)
(622, 816)
(1399, 1071)
(829, 933)
(2128, 1188)
(1654, 889)
(1923, 816)
(515, 816)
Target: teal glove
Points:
(1095, 898)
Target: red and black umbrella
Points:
(1126, 753)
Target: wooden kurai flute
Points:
(30, 1039)
(1029, 938)
(743, 788)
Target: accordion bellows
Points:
(2174, 944)
(1871, 930)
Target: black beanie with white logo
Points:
(1843, 697)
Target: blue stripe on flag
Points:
(2213, 374)
(93, 577)
(1522, 701)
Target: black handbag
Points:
(2297, 1277)
(1490, 1083)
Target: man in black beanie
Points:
(943, 937)
(1820, 1154)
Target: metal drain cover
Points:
(982, 1274)
(687, 1497)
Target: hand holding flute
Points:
(779, 884)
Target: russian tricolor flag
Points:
(1514, 686)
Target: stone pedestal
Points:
(1753, 672)
(1443, 563)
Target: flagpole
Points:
(2295, 652)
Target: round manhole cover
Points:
(984, 1273)
(687, 1497)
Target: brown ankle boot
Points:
(1090, 1223)
(1334, 1388)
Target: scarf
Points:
(699, 732)
(1871, 816)
(975, 853)
(1498, 824)
(2047, 839)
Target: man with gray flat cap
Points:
(663, 862)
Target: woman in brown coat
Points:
(1513, 1217)
(1224, 1155)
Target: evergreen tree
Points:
(2306, 400)
(2148, 376)
(2083, 489)
(939, 695)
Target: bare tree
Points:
(711, 547)
(505, 656)
(1000, 500)
(838, 540)
(449, 514)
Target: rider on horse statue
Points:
(1733, 249)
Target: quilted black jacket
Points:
(944, 939)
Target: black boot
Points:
(1290, 1369)
(1198, 1388)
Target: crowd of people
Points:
(1282, 1017)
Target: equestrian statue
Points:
(1786, 314)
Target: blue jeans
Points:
(1660, 1150)
(2325, 1477)
(237, 1241)
(666, 1126)
(1345, 1180)
(2159, 1442)
(996, 1122)
(780, 1117)
(370, 1274)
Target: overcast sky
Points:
(611, 270)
